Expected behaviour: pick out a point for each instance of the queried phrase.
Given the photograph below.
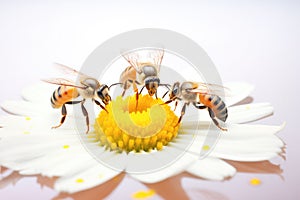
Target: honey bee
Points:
(201, 97)
(142, 73)
(87, 88)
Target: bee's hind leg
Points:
(86, 114)
(141, 90)
(176, 103)
(64, 112)
(135, 89)
(182, 113)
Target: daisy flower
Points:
(29, 145)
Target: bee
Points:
(142, 73)
(87, 88)
(200, 96)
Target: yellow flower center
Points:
(149, 126)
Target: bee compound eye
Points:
(175, 91)
(100, 94)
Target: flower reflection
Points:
(170, 188)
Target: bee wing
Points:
(208, 88)
(133, 59)
(70, 71)
(63, 81)
(157, 56)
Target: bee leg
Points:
(99, 104)
(64, 114)
(213, 117)
(156, 95)
(199, 106)
(136, 92)
(141, 90)
(125, 88)
(182, 113)
(123, 93)
(167, 102)
(176, 103)
(85, 113)
(137, 99)
(165, 94)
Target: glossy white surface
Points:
(257, 42)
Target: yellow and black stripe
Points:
(216, 104)
(62, 95)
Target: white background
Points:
(254, 41)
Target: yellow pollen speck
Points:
(248, 107)
(26, 132)
(127, 128)
(79, 180)
(143, 194)
(205, 147)
(27, 118)
(66, 146)
(255, 181)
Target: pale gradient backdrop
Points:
(254, 41)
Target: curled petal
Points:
(212, 169)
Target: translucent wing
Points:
(157, 56)
(69, 71)
(62, 81)
(133, 59)
(208, 88)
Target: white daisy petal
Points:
(249, 112)
(113, 159)
(41, 124)
(40, 111)
(236, 114)
(178, 166)
(26, 108)
(238, 92)
(89, 177)
(189, 123)
(247, 143)
(30, 146)
(51, 165)
(242, 143)
(48, 156)
(164, 173)
(26, 125)
(212, 169)
(27, 147)
(54, 163)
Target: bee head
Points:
(152, 84)
(103, 94)
(174, 90)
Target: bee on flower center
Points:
(87, 88)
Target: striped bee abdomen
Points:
(216, 104)
(62, 95)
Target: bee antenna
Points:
(114, 85)
(166, 85)
(165, 94)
